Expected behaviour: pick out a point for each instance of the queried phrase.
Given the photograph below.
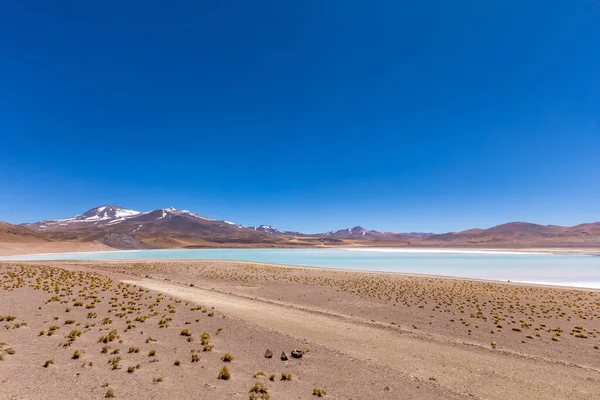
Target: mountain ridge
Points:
(169, 227)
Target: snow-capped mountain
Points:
(267, 229)
(107, 212)
(164, 227)
(169, 227)
(112, 215)
(169, 213)
(356, 232)
(98, 215)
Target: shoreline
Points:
(404, 267)
(570, 285)
(418, 250)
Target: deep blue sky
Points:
(308, 115)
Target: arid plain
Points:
(167, 329)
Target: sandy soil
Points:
(370, 335)
(41, 246)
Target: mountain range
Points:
(120, 228)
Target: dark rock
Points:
(297, 353)
(268, 354)
(284, 357)
(122, 241)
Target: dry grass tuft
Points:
(224, 374)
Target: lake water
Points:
(566, 270)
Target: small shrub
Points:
(259, 391)
(77, 354)
(152, 353)
(224, 373)
(48, 363)
(185, 332)
(115, 362)
(227, 357)
(178, 362)
(319, 392)
(285, 376)
(110, 394)
(74, 334)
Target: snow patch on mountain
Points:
(267, 229)
(109, 214)
(233, 224)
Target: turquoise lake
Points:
(567, 270)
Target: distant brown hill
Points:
(519, 233)
(14, 233)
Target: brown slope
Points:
(585, 229)
(15, 240)
(10, 233)
(519, 233)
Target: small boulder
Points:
(297, 353)
(284, 356)
(268, 354)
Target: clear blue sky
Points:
(308, 115)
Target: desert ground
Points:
(44, 247)
(156, 329)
